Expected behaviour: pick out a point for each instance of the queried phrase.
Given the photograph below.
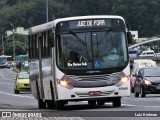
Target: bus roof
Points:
(51, 24)
(86, 17)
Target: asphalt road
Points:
(131, 106)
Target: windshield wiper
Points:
(109, 30)
(73, 33)
(80, 40)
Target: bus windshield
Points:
(92, 50)
(3, 60)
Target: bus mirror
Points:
(129, 37)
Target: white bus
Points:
(4, 62)
(71, 59)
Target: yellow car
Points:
(21, 82)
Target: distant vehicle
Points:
(22, 58)
(148, 53)
(3, 61)
(147, 81)
(21, 82)
(133, 53)
(137, 64)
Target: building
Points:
(18, 30)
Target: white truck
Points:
(147, 53)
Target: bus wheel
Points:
(41, 104)
(100, 102)
(59, 105)
(117, 102)
(91, 102)
(50, 104)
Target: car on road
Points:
(147, 81)
(21, 82)
(137, 64)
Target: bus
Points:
(70, 60)
(133, 53)
(22, 58)
(4, 62)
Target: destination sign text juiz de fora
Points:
(86, 23)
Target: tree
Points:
(21, 46)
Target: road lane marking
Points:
(15, 95)
(1, 75)
(6, 84)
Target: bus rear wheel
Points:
(91, 102)
(59, 105)
(117, 102)
(41, 104)
(100, 102)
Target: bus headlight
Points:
(65, 84)
(147, 82)
(122, 81)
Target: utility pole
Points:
(13, 30)
(46, 10)
(3, 45)
(13, 46)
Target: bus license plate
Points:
(94, 93)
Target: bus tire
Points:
(91, 102)
(51, 103)
(41, 103)
(117, 102)
(100, 102)
(59, 105)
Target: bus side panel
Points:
(34, 77)
(47, 77)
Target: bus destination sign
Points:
(89, 23)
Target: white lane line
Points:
(1, 75)
(128, 105)
(15, 95)
(139, 105)
(9, 79)
(6, 84)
